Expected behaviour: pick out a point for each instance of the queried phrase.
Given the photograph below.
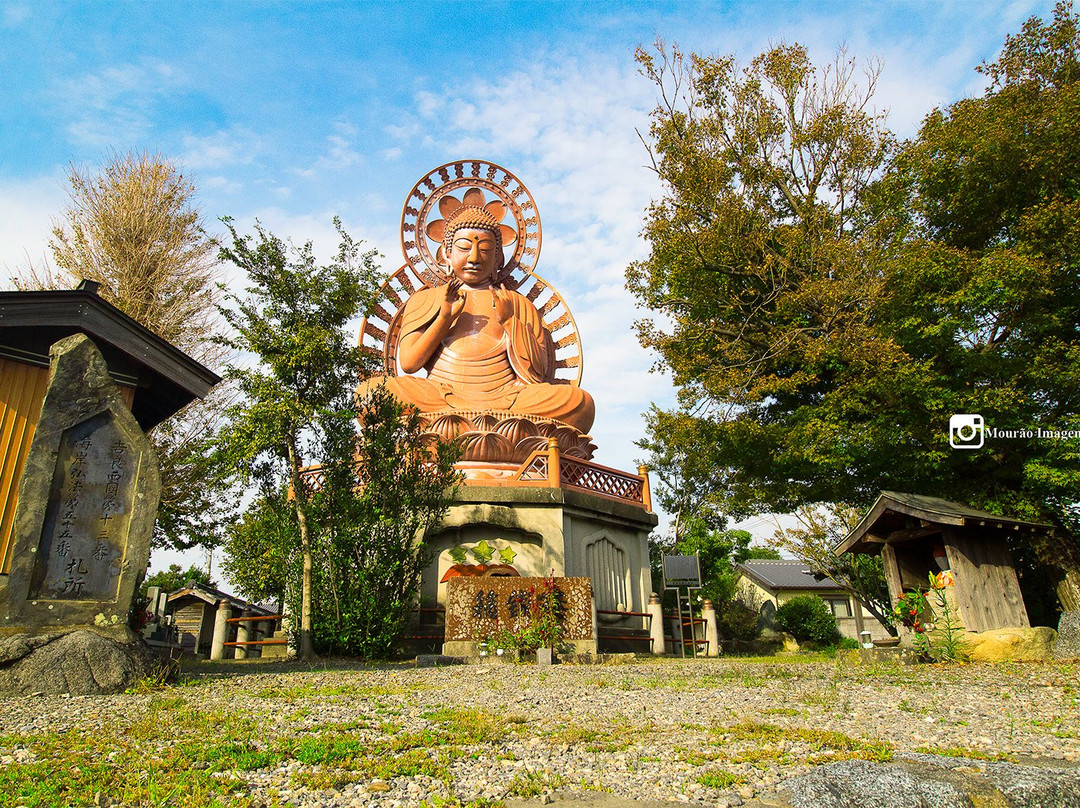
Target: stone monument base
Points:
(469, 649)
(81, 662)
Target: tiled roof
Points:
(783, 574)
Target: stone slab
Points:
(1068, 639)
(478, 608)
(88, 499)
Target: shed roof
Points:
(887, 514)
(166, 378)
(776, 575)
(211, 596)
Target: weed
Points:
(718, 779)
(468, 726)
(963, 752)
(533, 784)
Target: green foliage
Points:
(828, 298)
(176, 577)
(819, 529)
(808, 619)
(736, 620)
(383, 492)
(258, 548)
(343, 540)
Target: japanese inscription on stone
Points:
(82, 542)
(479, 607)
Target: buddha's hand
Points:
(454, 301)
(504, 305)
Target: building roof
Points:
(165, 377)
(211, 596)
(890, 514)
(776, 575)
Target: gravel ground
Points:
(716, 732)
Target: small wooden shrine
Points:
(918, 535)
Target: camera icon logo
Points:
(966, 431)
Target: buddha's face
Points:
(474, 256)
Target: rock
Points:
(79, 662)
(1068, 642)
(936, 781)
(791, 645)
(1015, 644)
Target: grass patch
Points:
(770, 747)
(469, 726)
(719, 779)
(533, 784)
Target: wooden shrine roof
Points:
(889, 519)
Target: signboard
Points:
(682, 571)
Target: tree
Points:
(293, 321)
(258, 546)
(134, 229)
(763, 262)
(372, 511)
(822, 528)
(356, 503)
(175, 577)
(986, 282)
(829, 297)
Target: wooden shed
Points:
(916, 535)
(194, 609)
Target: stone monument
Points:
(80, 382)
(87, 503)
(488, 352)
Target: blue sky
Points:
(295, 112)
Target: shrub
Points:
(737, 621)
(808, 619)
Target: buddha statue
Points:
(484, 346)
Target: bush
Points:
(808, 619)
(737, 621)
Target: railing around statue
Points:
(548, 467)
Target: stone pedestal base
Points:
(550, 531)
(80, 662)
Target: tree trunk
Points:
(306, 649)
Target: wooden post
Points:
(554, 466)
(646, 495)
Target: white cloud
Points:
(14, 15)
(27, 208)
(221, 149)
(340, 153)
(115, 105)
